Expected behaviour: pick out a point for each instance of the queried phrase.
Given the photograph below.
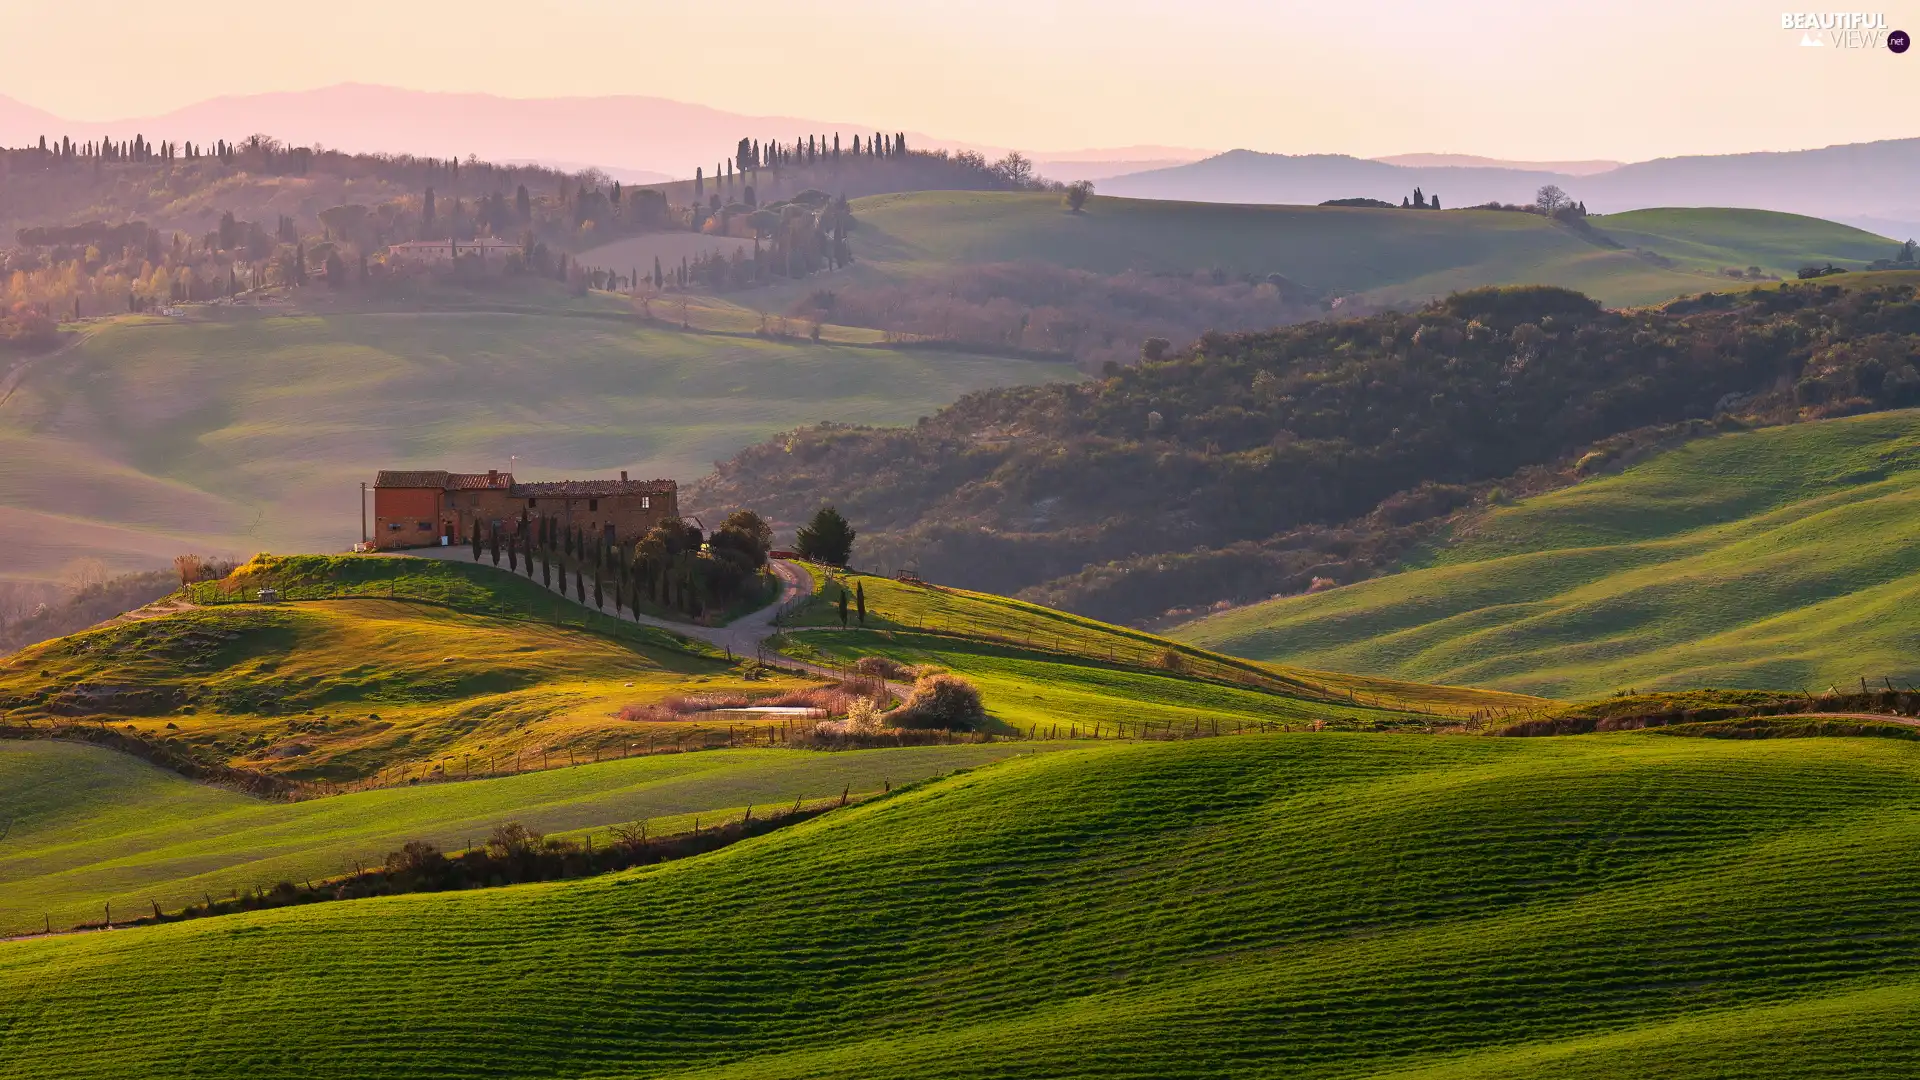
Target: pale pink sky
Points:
(1628, 79)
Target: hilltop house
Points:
(423, 508)
(488, 249)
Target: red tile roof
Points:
(402, 478)
(478, 481)
(452, 481)
(595, 488)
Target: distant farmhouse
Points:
(488, 249)
(430, 507)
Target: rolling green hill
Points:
(382, 671)
(228, 433)
(1385, 255)
(381, 663)
(1783, 558)
(1040, 667)
(1309, 905)
(91, 827)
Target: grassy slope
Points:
(246, 431)
(1782, 558)
(1299, 905)
(1715, 238)
(1387, 254)
(419, 662)
(1039, 666)
(93, 827)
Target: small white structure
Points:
(441, 252)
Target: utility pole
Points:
(363, 511)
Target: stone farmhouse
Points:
(441, 252)
(425, 508)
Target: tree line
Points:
(673, 567)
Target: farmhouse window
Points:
(532, 503)
(593, 504)
(426, 526)
(393, 526)
(646, 503)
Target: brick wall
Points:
(630, 515)
(398, 514)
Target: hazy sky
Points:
(1627, 79)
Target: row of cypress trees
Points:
(666, 568)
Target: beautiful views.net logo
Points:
(1844, 30)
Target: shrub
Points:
(1170, 659)
(942, 701)
(884, 667)
(416, 856)
(511, 840)
(1519, 302)
(864, 717)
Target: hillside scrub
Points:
(1314, 425)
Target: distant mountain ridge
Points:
(1877, 180)
(1570, 168)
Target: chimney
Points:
(492, 475)
(623, 476)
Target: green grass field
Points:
(92, 827)
(1780, 559)
(230, 433)
(1038, 666)
(381, 663)
(1382, 254)
(1308, 905)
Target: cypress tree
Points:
(860, 600)
(546, 568)
(843, 607)
(475, 538)
(493, 540)
(513, 563)
(599, 592)
(579, 584)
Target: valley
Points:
(226, 433)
